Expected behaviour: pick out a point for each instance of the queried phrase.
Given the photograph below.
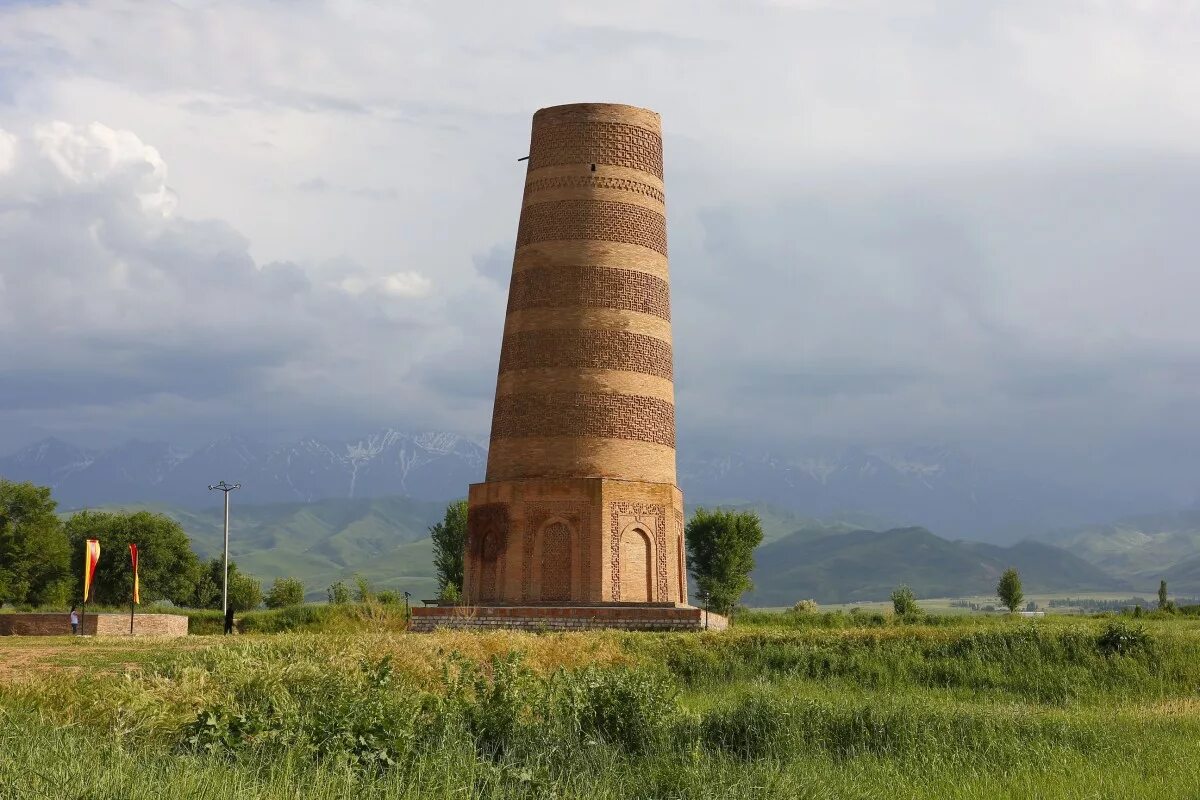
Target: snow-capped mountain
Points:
(431, 465)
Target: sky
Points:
(892, 222)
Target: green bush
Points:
(904, 602)
(339, 595)
(285, 592)
(1119, 638)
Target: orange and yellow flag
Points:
(92, 555)
(137, 596)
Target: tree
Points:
(362, 590)
(1009, 589)
(285, 592)
(904, 602)
(167, 567)
(720, 554)
(339, 595)
(449, 542)
(34, 553)
(1164, 604)
(245, 593)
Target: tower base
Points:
(574, 541)
(623, 616)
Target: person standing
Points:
(74, 621)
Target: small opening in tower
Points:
(593, 167)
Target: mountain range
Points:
(385, 540)
(937, 487)
(839, 525)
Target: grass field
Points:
(828, 706)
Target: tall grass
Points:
(879, 711)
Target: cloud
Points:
(109, 298)
(920, 220)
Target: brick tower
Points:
(580, 505)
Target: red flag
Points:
(89, 567)
(137, 596)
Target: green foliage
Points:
(720, 554)
(338, 593)
(806, 607)
(167, 567)
(904, 602)
(1164, 602)
(1009, 590)
(34, 552)
(450, 594)
(449, 544)
(1119, 638)
(245, 593)
(388, 598)
(285, 592)
(362, 590)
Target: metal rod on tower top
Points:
(226, 488)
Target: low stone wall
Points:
(565, 618)
(59, 624)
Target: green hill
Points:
(385, 540)
(1144, 548)
(867, 565)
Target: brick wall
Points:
(565, 618)
(59, 624)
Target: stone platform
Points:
(59, 624)
(547, 617)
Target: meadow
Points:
(783, 705)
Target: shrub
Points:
(339, 595)
(285, 592)
(388, 597)
(904, 602)
(806, 607)
(450, 594)
(362, 590)
(245, 593)
(1120, 638)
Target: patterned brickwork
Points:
(606, 416)
(652, 516)
(593, 182)
(556, 562)
(597, 220)
(596, 142)
(536, 514)
(589, 287)
(586, 349)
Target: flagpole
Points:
(133, 589)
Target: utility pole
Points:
(226, 488)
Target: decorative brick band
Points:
(596, 142)
(606, 416)
(596, 220)
(590, 287)
(583, 348)
(594, 182)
